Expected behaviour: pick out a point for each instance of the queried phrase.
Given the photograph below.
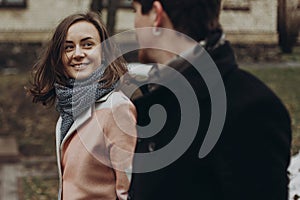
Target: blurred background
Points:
(264, 35)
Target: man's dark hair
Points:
(195, 18)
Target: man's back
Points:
(250, 158)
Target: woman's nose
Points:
(79, 53)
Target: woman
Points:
(96, 133)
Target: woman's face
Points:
(82, 50)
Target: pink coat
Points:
(95, 157)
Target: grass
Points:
(293, 57)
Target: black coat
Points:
(251, 157)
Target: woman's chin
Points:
(81, 73)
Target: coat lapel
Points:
(83, 117)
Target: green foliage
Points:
(38, 188)
(33, 125)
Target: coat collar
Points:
(222, 56)
(197, 61)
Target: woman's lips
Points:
(79, 67)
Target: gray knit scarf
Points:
(78, 96)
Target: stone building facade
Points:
(244, 21)
(34, 21)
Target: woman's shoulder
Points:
(112, 99)
(116, 105)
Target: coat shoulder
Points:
(114, 99)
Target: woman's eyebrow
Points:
(82, 40)
(86, 38)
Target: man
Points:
(248, 157)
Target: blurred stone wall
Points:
(23, 31)
(34, 22)
(244, 21)
(248, 21)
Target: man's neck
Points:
(174, 48)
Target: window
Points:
(239, 5)
(122, 3)
(13, 3)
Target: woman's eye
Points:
(87, 45)
(69, 48)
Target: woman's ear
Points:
(157, 13)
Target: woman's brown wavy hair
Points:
(49, 68)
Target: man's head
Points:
(195, 18)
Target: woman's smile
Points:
(80, 66)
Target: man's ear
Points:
(157, 13)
